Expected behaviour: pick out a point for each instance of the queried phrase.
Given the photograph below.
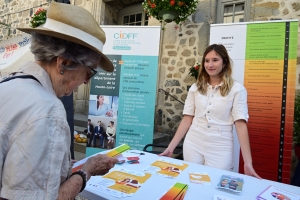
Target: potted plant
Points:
(194, 70)
(38, 18)
(296, 131)
(170, 10)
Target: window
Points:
(230, 11)
(135, 19)
(133, 15)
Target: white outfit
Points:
(34, 138)
(209, 140)
(110, 132)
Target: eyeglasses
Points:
(91, 72)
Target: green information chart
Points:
(264, 58)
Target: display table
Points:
(155, 186)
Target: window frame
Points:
(222, 3)
(131, 10)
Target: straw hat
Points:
(75, 24)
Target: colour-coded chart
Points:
(270, 82)
(176, 192)
(264, 56)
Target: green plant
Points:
(8, 26)
(38, 18)
(184, 8)
(296, 131)
(194, 70)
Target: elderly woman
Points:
(34, 134)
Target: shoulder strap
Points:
(23, 76)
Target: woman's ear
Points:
(60, 61)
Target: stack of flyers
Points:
(200, 177)
(231, 184)
(272, 192)
(176, 192)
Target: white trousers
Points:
(209, 145)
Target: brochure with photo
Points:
(231, 184)
(119, 182)
(200, 177)
(166, 168)
(272, 193)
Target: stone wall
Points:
(17, 13)
(181, 47)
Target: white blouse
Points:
(215, 109)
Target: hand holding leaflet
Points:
(113, 153)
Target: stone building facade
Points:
(180, 46)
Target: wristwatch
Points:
(83, 174)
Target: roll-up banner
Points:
(264, 58)
(127, 96)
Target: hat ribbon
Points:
(66, 29)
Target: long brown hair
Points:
(225, 74)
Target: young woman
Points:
(214, 104)
(111, 132)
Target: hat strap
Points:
(74, 32)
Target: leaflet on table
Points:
(219, 197)
(166, 168)
(175, 192)
(231, 184)
(200, 177)
(116, 152)
(119, 182)
(272, 192)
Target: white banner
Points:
(14, 52)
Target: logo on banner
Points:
(121, 35)
(11, 47)
(24, 42)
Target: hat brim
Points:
(105, 63)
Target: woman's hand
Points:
(167, 153)
(249, 170)
(99, 165)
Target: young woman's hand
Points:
(167, 153)
(249, 170)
